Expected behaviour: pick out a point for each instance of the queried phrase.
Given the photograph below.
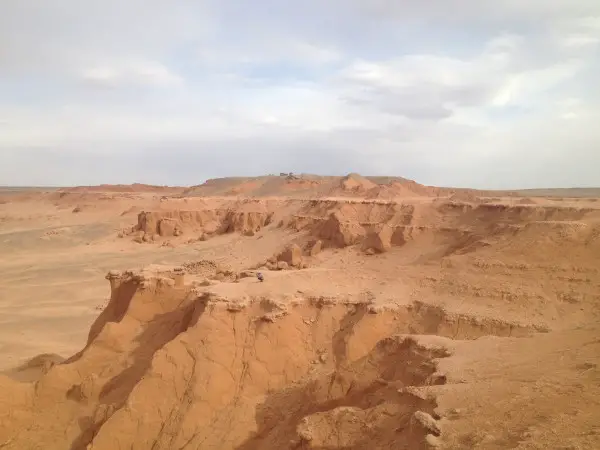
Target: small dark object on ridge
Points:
(260, 277)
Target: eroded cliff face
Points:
(183, 357)
(212, 221)
(379, 226)
(170, 364)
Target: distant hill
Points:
(136, 187)
(562, 192)
(307, 185)
(8, 189)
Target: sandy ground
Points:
(53, 265)
(477, 327)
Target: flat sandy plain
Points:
(392, 315)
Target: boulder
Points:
(291, 255)
(316, 248)
(423, 421)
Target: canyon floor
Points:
(392, 315)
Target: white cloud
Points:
(132, 73)
(579, 33)
(433, 87)
(444, 92)
(580, 40)
(264, 51)
(524, 88)
(461, 11)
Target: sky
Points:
(463, 93)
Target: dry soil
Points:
(392, 315)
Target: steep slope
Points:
(172, 364)
(417, 323)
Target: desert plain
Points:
(391, 315)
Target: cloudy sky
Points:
(502, 94)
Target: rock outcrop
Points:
(315, 248)
(340, 233)
(207, 222)
(379, 239)
(292, 255)
(356, 183)
(169, 365)
(167, 227)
